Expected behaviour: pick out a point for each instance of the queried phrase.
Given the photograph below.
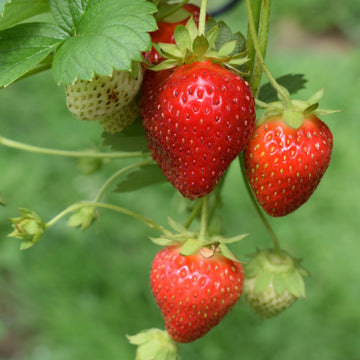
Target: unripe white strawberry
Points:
(273, 282)
(103, 95)
(117, 122)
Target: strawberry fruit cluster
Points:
(199, 114)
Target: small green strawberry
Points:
(102, 96)
(273, 282)
(117, 122)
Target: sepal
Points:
(294, 112)
(277, 269)
(29, 227)
(83, 218)
(218, 45)
(154, 344)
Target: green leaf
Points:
(145, 176)
(16, 11)
(24, 46)
(292, 82)
(109, 34)
(68, 13)
(130, 139)
(2, 5)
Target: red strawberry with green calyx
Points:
(273, 282)
(287, 155)
(199, 117)
(195, 283)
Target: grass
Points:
(76, 294)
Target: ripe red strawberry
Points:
(285, 165)
(194, 292)
(197, 120)
(165, 32)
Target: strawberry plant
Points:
(178, 97)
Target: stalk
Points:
(257, 207)
(77, 206)
(66, 153)
(263, 31)
(204, 219)
(256, 7)
(202, 17)
(193, 214)
(117, 174)
(282, 92)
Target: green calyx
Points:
(217, 45)
(293, 112)
(277, 269)
(191, 243)
(29, 227)
(154, 344)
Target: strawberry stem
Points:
(256, 9)
(117, 174)
(282, 92)
(75, 154)
(257, 207)
(194, 213)
(204, 219)
(261, 21)
(77, 206)
(202, 17)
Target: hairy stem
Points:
(282, 92)
(117, 174)
(75, 154)
(263, 32)
(257, 207)
(194, 214)
(77, 206)
(204, 219)
(202, 17)
(249, 66)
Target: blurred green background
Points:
(76, 294)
